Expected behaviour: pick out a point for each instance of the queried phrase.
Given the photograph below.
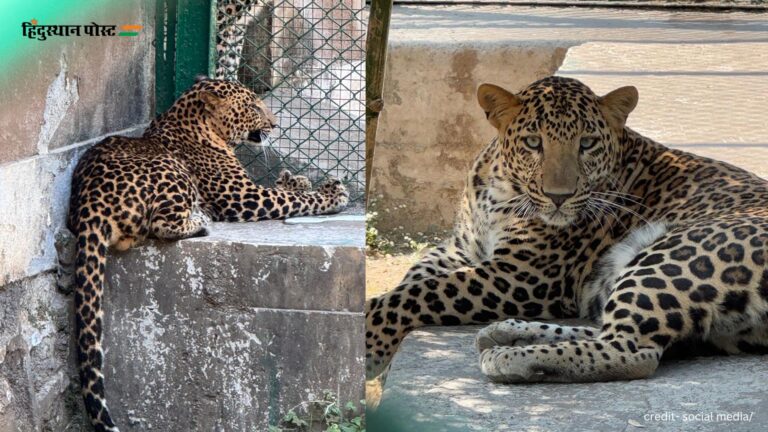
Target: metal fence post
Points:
(165, 54)
(182, 47)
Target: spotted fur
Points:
(569, 213)
(288, 181)
(168, 184)
(232, 18)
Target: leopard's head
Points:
(236, 112)
(560, 144)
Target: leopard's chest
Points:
(559, 257)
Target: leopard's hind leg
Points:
(176, 215)
(177, 226)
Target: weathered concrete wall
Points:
(226, 332)
(36, 391)
(78, 88)
(63, 95)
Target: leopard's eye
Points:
(532, 141)
(587, 143)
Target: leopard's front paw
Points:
(511, 332)
(504, 364)
(287, 181)
(336, 194)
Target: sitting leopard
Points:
(167, 184)
(568, 213)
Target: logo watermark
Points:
(32, 29)
(699, 417)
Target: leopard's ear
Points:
(210, 99)
(617, 105)
(500, 106)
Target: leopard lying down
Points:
(568, 213)
(168, 184)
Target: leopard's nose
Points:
(558, 199)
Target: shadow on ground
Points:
(435, 385)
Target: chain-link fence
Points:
(306, 58)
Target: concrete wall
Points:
(57, 98)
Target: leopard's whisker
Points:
(594, 215)
(613, 194)
(620, 207)
(608, 210)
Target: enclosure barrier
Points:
(306, 59)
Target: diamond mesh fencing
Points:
(306, 59)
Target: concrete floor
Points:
(703, 83)
(435, 385)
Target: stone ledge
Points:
(525, 25)
(435, 385)
(267, 264)
(228, 331)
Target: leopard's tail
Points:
(89, 286)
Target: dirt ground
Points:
(383, 273)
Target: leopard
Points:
(232, 19)
(168, 184)
(568, 213)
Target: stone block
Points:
(227, 332)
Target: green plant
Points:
(323, 415)
(407, 243)
(373, 240)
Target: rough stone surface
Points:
(36, 387)
(686, 65)
(435, 385)
(226, 332)
(59, 96)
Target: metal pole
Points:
(376, 57)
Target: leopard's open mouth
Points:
(263, 133)
(260, 135)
